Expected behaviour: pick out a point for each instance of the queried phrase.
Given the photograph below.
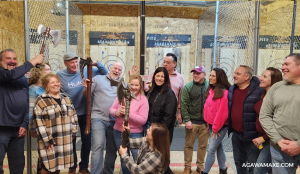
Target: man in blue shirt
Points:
(14, 105)
(72, 86)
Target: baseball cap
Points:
(70, 56)
(199, 69)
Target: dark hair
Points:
(6, 50)
(167, 84)
(174, 58)
(161, 142)
(296, 57)
(221, 84)
(276, 76)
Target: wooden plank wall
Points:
(12, 28)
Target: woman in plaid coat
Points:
(56, 123)
(154, 151)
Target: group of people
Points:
(260, 113)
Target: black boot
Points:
(223, 171)
(203, 172)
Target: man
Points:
(14, 108)
(242, 97)
(71, 85)
(192, 106)
(279, 117)
(102, 122)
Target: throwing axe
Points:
(45, 32)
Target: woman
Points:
(138, 114)
(154, 151)
(36, 89)
(56, 124)
(162, 101)
(269, 77)
(216, 115)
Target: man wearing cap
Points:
(192, 104)
(72, 86)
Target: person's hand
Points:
(50, 147)
(85, 82)
(39, 59)
(215, 134)
(73, 137)
(134, 70)
(189, 125)
(120, 112)
(282, 143)
(95, 63)
(179, 118)
(291, 148)
(122, 150)
(33, 134)
(126, 127)
(257, 141)
(22, 132)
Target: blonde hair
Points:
(46, 78)
(36, 73)
(138, 77)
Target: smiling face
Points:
(115, 71)
(291, 71)
(198, 77)
(149, 134)
(265, 79)
(135, 86)
(53, 86)
(72, 65)
(240, 76)
(159, 78)
(46, 69)
(213, 78)
(9, 60)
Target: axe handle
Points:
(43, 45)
(88, 99)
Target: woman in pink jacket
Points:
(138, 115)
(216, 114)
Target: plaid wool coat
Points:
(55, 123)
(146, 161)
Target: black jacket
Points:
(249, 116)
(163, 109)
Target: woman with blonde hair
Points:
(154, 151)
(56, 124)
(138, 115)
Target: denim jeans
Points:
(98, 129)
(117, 136)
(243, 152)
(215, 145)
(264, 158)
(85, 146)
(284, 159)
(14, 147)
(111, 151)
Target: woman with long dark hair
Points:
(216, 115)
(267, 79)
(154, 151)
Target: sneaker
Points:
(72, 171)
(84, 171)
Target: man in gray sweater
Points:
(280, 118)
(102, 123)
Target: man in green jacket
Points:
(279, 117)
(192, 104)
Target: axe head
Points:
(82, 63)
(41, 29)
(56, 35)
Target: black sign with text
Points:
(167, 40)
(111, 38)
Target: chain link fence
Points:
(52, 14)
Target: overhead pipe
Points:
(67, 25)
(216, 34)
